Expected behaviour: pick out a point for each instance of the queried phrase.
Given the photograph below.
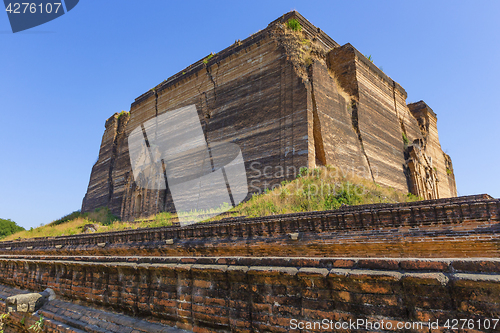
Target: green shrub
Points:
(8, 227)
(38, 325)
(405, 139)
(294, 25)
(121, 114)
(3, 318)
(412, 197)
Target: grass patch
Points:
(70, 224)
(66, 218)
(205, 61)
(71, 227)
(323, 188)
(294, 25)
(306, 42)
(320, 189)
(101, 215)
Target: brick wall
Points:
(61, 316)
(248, 94)
(287, 103)
(265, 294)
(260, 274)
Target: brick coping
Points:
(450, 265)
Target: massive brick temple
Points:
(288, 99)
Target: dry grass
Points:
(323, 188)
(71, 227)
(75, 226)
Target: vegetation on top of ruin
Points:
(294, 25)
(122, 114)
(322, 188)
(205, 61)
(300, 49)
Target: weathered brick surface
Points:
(219, 297)
(249, 275)
(60, 316)
(248, 94)
(287, 103)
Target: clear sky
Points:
(60, 81)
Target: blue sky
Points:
(60, 81)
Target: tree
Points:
(8, 227)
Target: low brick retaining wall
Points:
(267, 294)
(276, 273)
(59, 316)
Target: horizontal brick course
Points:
(235, 280)
(236, 298)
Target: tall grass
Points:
(321, 189)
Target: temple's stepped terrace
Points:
(257, 274)
(257, 294)
(453, 227)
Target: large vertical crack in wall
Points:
(355, 125)
(400, 119)
(112, 162)
(319, 149)
(208, 114)
(213, 81)
(205, 110)
(404, 137)
(121, 123)
(158, 193)
(156, 103)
